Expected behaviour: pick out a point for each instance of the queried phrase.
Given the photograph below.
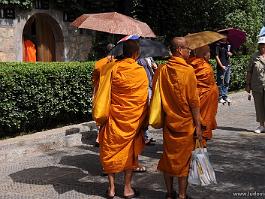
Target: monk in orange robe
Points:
(121, 137)
(179, 116)
(207, 88)
(98, 67)
(29, 51)
(106, 62)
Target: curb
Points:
(41, 142)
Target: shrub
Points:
(37, 96)
(44, 95)
(238, 66)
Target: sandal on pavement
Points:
(140, 169)
(187, 197)
(108, 196)
(134, 195)
(171, 195)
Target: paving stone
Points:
(70, 171)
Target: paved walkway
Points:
(63, 163)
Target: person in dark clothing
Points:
(223, 54)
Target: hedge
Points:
(238, 67)
(44, 95)
(36, 96)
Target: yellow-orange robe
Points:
(121, 137)
(176, 84)
(29, 51)
(208, 92)
(104, 62)
(100, 76)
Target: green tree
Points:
(179, 17)
(19, 3)
(248, 16)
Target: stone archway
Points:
(47, 35)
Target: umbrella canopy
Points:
(235, 36)
(148, 48)
(199, 39)
(262, 32)
(113, 22)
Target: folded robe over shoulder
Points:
(102, 87)
(176, 84)
(121, 137)
(101, 66)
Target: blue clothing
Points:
(262, 32)
(147, 64)
(223, 81)
(223, 76)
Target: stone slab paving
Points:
(69, 171)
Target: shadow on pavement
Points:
(146, 183)
(68, 179)
(153, 151)
(226, 128)
(62, 179)
(87, 162)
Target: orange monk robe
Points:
(208, 92)
(104, 62)
(121, 137)
(29, 51)
(177, 84)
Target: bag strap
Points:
(198, 144)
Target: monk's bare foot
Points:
(130, 192)
(111, 192)
(182, 197)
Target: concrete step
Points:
(38, 143)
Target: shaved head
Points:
(131, 49)
(179, 47)
(177, 42)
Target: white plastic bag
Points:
(201, 171)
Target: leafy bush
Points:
(43, 95)
(238, 66)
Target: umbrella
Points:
(148, 48)
(113, 22)
(235, 36)
(262, 32)
(199, 39)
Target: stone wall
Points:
(7, 44)
(77, 46)
(73, 46)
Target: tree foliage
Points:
(179, 17)
(18, 3)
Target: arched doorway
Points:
(46, 34)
